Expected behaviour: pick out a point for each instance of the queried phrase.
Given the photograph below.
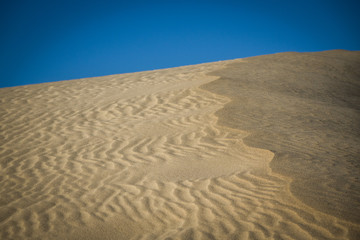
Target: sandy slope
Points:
(141, 156)
(305, 107)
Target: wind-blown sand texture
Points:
(161, 154)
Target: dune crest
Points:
(141, 156)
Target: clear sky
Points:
(51, 40)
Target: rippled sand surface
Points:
(150, 155)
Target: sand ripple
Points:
(140, 156)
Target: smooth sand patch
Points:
(142, 156)
(305, 107)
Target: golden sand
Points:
(161, 155)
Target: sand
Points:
(209, 151)
(305, 107)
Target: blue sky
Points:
(44, 41)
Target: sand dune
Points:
(146, 156)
